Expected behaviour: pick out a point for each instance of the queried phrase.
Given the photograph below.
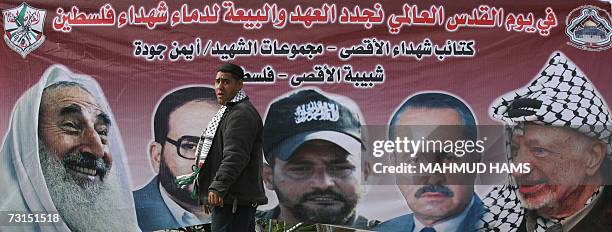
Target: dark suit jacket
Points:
(152, 212)
(405, 223)
(598, 219)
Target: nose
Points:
(91, 142)
(436, 179)
(522, 156)
(321, 179)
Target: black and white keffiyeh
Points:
(204, 145)
(560, 95)
(504, 212)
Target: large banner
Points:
(383, 116)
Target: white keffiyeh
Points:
(24, 187)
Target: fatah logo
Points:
(589, 28)
(23, 28)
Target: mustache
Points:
(530, 180)
(86, 160)
(323, 193)
(434, 189)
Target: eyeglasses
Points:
(185, 146)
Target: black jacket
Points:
(233, 166)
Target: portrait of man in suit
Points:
(439, 201)
(177, 125)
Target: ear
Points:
(155, 151)
(475, 158)
(367, 170)
(596, 153)
(240, 83)
(268, 175)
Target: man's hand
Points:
(214, 199)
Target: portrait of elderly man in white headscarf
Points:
(560, 125)
(63, 155)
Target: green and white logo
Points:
(23, 28)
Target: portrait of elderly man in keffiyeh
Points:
(63, 155)
(560, 125)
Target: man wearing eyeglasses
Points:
(177, 125)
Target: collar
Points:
(180, 215)
(571, 221)
(240, 96)
(451, 224)
(274, 212)
(229, 104)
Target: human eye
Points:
(70, 127)
(449, 157)
(406, 159)
(539, 151)
(299, 168)
(341, 170)
(188, 145)
(299, 171)
(103, 132)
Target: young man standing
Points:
(230, 156)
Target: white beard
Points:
(546, 200)
(87, 207)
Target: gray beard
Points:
(85, 206)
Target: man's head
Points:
(562, 161)
(435, 117)
(73, 126)
(228, 81)
(560, 125)
(75, 158)
(312, 143)
(179, 120)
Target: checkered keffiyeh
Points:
(504, 212)
(204, 145)
(560, 95)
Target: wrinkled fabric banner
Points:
(332, 81)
